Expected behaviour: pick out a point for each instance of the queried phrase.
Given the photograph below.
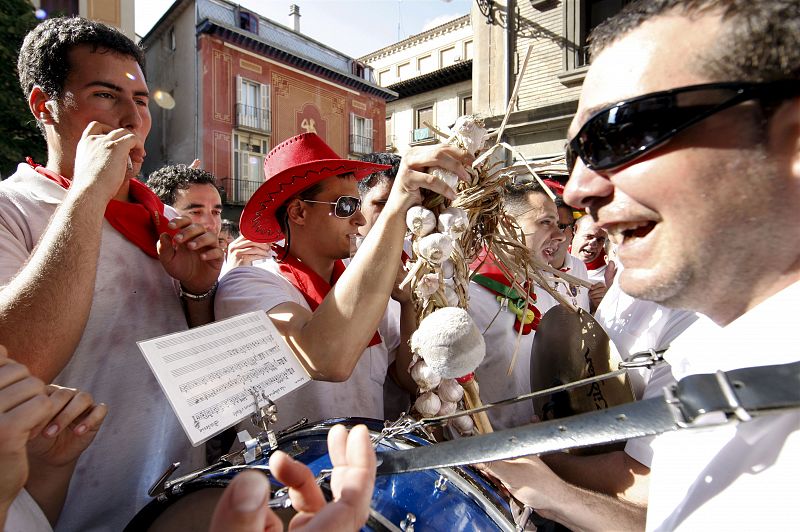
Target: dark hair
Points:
(372, 180)
(44, 55)
(516, 194)
(231, 227)
(166, 181)
(759, 42)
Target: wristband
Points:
(198, 297)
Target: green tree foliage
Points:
(19, 136)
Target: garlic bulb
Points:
(450, 295)
(420, 220)
(449, 342)
(471, 132)
(428, 404)
(427, 285)
(424, 376)
(450, 178)
(450, 390)
(446, 409)
(435, 247)
(453, 221)
(448, 269)
(464, 425)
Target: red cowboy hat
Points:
(291, 167)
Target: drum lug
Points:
(407, 524)
(441, 483)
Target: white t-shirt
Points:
(501, 339)
(24, 515)
(262, 287)
(735, 477)
(577, 295)
(134, 299)
(598, 275)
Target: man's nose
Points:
(585, 187)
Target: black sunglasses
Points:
(564, 227)
(345, 206)
(629, 129)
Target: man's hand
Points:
(401, 295)
(24, 409)
(192, 256)
(243, 507)
(104, 157)
(528, 479)
(596, 294)
(413, 174)
(71, 429)
(242, 252)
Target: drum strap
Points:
(695, 401)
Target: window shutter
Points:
(369, 134)
(264, 112)
(238, 89)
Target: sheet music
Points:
(209, 373)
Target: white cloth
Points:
(24, 515)
(598, 275)
(134, 299)
(736, 477)
(262, 287)
(497, 327)
(577, 295)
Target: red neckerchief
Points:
(486, 265)
(597, 263)
(313, 287)
(141, 221)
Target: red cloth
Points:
(313, 287)
(141, 221)
(486, 265)
(597, 263)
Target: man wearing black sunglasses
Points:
(684, 146)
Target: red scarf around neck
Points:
(597, 263)
(141, 221)
(313, 287)
(486, 264)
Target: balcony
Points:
(422, 135)
(253, 118)
(360, 144)
(239, 191)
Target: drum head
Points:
(570, 346)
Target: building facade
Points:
(117, 13)
(232, 84)
(431, 72)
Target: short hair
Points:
(516, 194)
(44, 55)
(760, 42)
(372, 180)
(230, 227)
(167, 181)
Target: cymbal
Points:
(571, 346)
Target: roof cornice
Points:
(447, 27)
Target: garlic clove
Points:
(464, 425)
(428, 404)
(448, 269)
(449, 342)
(470, 132)
(450, 178)
(450, 390)
(424, 376)
(427, 285)
(447, 408)
(420, 220)
(435, 248)
(453, 221)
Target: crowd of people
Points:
(683, 149)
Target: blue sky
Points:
(354, 27)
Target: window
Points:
(173, 45)
(360, 134)
(60, 8)
(421, 132)
(248, 21)
(358, 69)
(404, 71)
(252, 105)
(425, 64)
(582, 17)
(389, 135)
(467, 50)
(383, 78)
(248, 166)
(465, 105)
(448, 56)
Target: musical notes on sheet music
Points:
(209, 373)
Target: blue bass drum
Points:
(455, 498)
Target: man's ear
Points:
(41, 105)
(784, 135)
(296, 211)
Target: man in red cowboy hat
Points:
(329, 315)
